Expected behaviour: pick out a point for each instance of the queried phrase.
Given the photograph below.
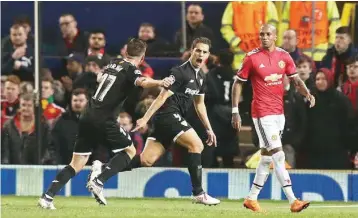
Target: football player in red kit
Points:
(266, 67)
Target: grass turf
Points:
(26, 207)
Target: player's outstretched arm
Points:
(146, 82)
(302, 89)
(203, 116)
(235, 96)
(156, 104)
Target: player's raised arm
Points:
(146, 82)
(200, 108)
(241, 77)
(156, 104)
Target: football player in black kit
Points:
(98, 123)
(169, 108)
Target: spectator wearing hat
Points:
(88, 79)
(74, 67)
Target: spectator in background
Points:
(218, 102)
(194, 28)
(19, 60)
(125, 121)
(144, 67)
(328, 126)
(156, 46)
(326, 21)
(19, 143)
(290, 45)
(72, 40)
(74, 68)
(88, 79)
(65, 130)
(6, 44)
(51, 111)
(241, 22)
(335, 58)
(305, 71)
(3, 80)
(96, 45)
(296, 120)
(350, 87)
(10, 103)
(26, 88)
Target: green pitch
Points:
(26, 207)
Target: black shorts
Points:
(108, 132)
(168, 127)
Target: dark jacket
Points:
(6, 44)
(18, 148)
(295, 118)
(201, 31)
(340, 68)
(64, 136)
(79, 44)
(26, 71)
(328, 130)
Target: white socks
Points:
(262, 172)
(282, 175)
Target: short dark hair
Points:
(79, 91)
(16, 26)
(22, 19)
(147, 25)
(95, 31)
(343, 30)
(67, 14)
(136, 47)
(226, 57)
(352, 60)
(27, 97)
(203, 40)
(304, 59)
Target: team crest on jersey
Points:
(281, 64)
(138, 72)
(274, 137)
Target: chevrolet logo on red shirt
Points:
(273, 77)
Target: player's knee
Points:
(131, 151)
(196, 147)
(278, 157)
(78, 162)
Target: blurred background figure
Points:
(329, 126)
(241, 23)
(96, 45)
(305, 71)
(194, 28)
(19, 59)
(298, 16)
(125, 121)
(336, 56)
(10, 102)
(156, 46)
(19, 143)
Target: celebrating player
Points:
(266, 67)
(98, 123)
(169, 125)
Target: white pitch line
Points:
(330, 206)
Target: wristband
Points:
(235, 110)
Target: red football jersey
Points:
(266, 71)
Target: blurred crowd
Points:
(323, 137)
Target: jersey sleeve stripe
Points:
(171, 92)
(200, 94)
(135, 81)
(240, 78)
(292, 75)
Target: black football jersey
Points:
(117, 83)
(188, 82)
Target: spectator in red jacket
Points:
(10, 103)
